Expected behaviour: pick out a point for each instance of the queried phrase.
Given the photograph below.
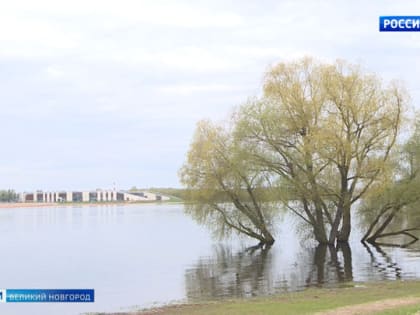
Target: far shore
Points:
(8, 205)
(12, 205)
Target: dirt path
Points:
(372, 307)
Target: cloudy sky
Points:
(101, 92)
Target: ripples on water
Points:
(145, 255)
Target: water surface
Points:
(145, 255)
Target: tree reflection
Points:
(347, 261)
(230, 275)
(382, 262)
(257, 271)
(253, 272)
(331, 265)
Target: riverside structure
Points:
(90, 196)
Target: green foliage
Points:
(8, 196)
(320, 139)
(133, 189)
(392, 208)
(176, 194)
(229, 193)
(325, 131)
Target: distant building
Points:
(89, 196)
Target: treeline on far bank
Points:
(8, 195)
(175, 194)
(189, 195)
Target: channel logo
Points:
(399, 23)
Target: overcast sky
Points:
(100, 92)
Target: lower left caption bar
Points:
(47, 295)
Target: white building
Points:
(90, 196)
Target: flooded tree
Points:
(228, 193)
(326, 131)
(391, 210)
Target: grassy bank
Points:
(396, 297)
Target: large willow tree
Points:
(323, 132)
(326, 130)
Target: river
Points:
(144, 255)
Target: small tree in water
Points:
(391, 209)
(228, 193)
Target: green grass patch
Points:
(305, 302)
(404, 310)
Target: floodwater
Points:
(137, 256)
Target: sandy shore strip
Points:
(12, 205)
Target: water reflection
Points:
(109, 248)
(230, 274)
(330, 265)
(253, 272)
(382, 263)
(258, 272)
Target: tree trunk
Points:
(319, 228)
(268, 237)
(344, 234)
(383, 226)
(347, 257)
(320, 235)
(319, 262)
(335, 225)
(342, 204)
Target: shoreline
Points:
(13, 205)
(400, 296)
(18, 205)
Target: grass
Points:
(305, 302)
(405, 310)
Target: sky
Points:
(97, 94)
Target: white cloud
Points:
(83, 71)
(55, 72)
(180, 13)
(188, 89)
